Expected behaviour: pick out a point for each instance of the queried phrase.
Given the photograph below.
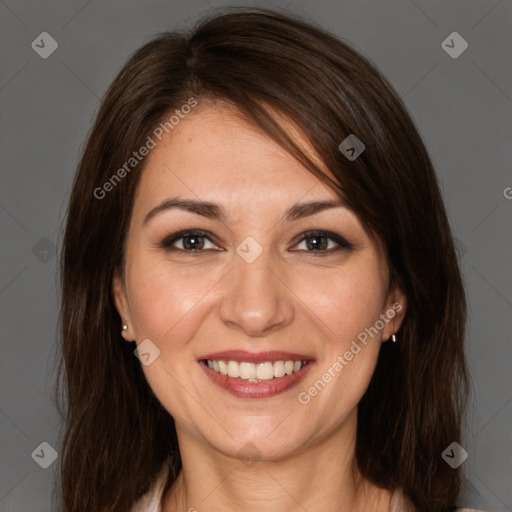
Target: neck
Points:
(323, 476)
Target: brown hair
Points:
(117, 434)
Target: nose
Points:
(257, 299)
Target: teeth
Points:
(264, 371)
(223, 367)
(247, 371)
(279, 369)
(255, 372)
(233, 369)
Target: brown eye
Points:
(316, 243)
(190, 241)
(324, 241)
(193, 242)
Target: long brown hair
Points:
(117, 434)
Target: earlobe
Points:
(396, 308)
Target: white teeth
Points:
(279, 369)
(265, 371)
(233, 369)
(223, 367)
(247, 371)
(255, 372)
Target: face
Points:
(292, 302)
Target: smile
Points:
(252, 372)
(250, 375)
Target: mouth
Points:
(250, 375)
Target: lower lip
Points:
(263, 389)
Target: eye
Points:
(190, 241)
(323, 241)
(195, 241)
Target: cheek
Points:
(168, 308)
(345, 303)
(165, 298)
(346, 308)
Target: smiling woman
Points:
(256, 263)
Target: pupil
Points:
(316, 242)
(188, 245)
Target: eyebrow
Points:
(216, 212)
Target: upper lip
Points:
(256, 357)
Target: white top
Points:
(150, 502)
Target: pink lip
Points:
(263, 389)
(253, 357)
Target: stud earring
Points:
(125, 327)
(393, 338)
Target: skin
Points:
(290, 298)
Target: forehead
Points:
(215, 154)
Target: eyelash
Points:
(168, 242)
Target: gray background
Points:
(462, 107)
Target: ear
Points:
(395, 309)
(122, 306)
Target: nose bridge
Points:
(256, 301)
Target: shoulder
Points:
(151, 501)
(468, 510)
(399, 503)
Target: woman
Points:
(262, 305)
